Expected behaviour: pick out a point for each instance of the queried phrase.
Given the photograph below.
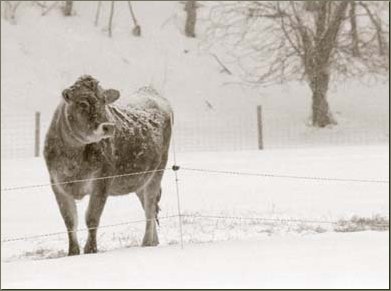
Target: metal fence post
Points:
(259, 123)
(37, 133)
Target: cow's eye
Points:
(83, 105)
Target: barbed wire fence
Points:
(179, 215)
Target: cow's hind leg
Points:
(150, 196)
(94, 212)
(68, 211)
(140, 195)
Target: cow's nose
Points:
(108, 128)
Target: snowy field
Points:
(239, 231)
(240, 252)
(271, 262)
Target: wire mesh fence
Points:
(207, 133)
(215, 131)
(303, 135)
(17, 135)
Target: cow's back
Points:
(143, 132)
(149, 98)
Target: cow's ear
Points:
(111, 95)
(66, 94)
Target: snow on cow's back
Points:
(146, 98)
(145, 109)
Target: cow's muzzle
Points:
(105, 129)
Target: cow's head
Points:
(86, 111)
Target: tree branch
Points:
(225, 69)
(378, 28)
(353, 29)
(286, 34)
(327, 43)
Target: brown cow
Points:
(90, 137)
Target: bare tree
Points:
(137, 28)
(67, 9)
(315, 41)
(191, 17)
(9, 10)
(97, 14)
(47, 9)
(111, 18)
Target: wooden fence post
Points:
(37, 133)
(259, 123)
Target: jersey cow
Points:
(94, 147)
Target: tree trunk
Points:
(97, 12)
(137, 28)
(7, 8)
(111, 18)
(68, 8)
(191, 18)
(353, 30)
(317, 59)
(321, 115)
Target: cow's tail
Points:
(157, 206)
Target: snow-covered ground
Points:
(351, 260)
(215, 115)
(247, 253)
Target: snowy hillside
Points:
(41, 55)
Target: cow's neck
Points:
(73, 148)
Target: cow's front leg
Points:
(150, 196)
(68, 211)
(94, 212)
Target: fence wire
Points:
(276, 220)
(196, 216)
(267, 175)
(175, 168)
(201, 170)
(5, 240)
(262, 219)
(81, 180)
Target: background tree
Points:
(97, 14)
(67, 9)
(110, 26)
(315, 41)
(191, 17)
(136, 31)
(9, 10)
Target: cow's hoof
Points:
(74, 251)
(90, 249)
